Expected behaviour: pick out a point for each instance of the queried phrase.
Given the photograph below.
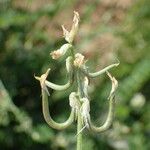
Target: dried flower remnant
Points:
(42, 80)
(69, 36)
(79, 60)
(114, 83)
(79, 100)
(74, 103)
(85, 111)
(60, 52)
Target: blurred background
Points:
(109, 29)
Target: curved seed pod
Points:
(95, 74)
(111, 98)
(49, 120)
(109, 119)
(69, 64)
(69, 68)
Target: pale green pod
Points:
(69, 68)
(110, 116)
(109, 119)
(49, 120)
(95, 74)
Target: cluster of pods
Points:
(78, 74)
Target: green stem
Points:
(79, 121)
(79, 136)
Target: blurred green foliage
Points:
(30, 29)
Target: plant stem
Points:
(79, 136)
(79, 121)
